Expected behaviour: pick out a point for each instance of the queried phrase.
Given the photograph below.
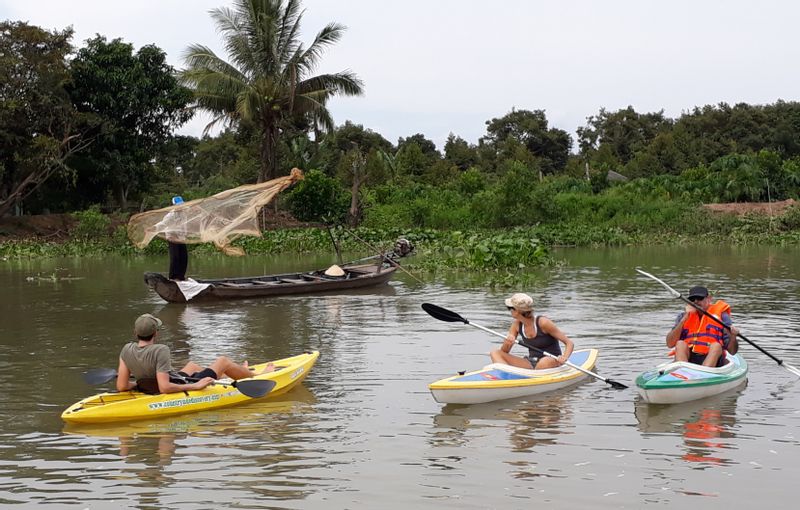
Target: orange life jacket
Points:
(700, 331)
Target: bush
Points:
(92, 224)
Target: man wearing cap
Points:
(699, 339)
(148, 361)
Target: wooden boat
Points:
(355, 276)
(132, 405)
(677, 381)
(498, 381)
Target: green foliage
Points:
(92, 224)
(136, 102)
(39, 127)
(319, 198)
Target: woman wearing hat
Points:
(536, 331)
(699, 339)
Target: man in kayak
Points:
(151, 364)
(539, 332)
(699, 339)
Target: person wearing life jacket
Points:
(699, 339)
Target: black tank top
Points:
(542, 340)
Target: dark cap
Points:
(146, 325)
(698, 292)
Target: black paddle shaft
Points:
(253, 388)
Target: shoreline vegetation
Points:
(506, 251)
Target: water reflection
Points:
(529, 423)
(706, 427)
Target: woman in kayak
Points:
(535, 331)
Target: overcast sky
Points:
(441, 66)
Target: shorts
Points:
(206, 372)
(533, 360)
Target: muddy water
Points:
(363, 430)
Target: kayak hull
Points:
(133, 405)
(499, 382)
(677, 382)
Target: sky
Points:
(447, 66)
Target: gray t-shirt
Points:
(144, 362)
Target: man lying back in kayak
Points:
(699, 339)
(151, 364)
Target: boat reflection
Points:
(705, 426)
(530, 422)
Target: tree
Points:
(268, 80)
(39, 127)
(138, 103)
(529, 130)
(620, 134)
(459, 153)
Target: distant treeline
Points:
(93, 126)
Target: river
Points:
(363, 430)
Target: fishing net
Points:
(218, 219)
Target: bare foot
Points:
(269, 368)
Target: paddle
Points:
(443, 314)
(253, 388)
(677, 294)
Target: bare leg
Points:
(223, 366)
(546, 362)
(714, 352)
(191, 368)
(500, 356)
(681, 351)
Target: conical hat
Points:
(334, 270)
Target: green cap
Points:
(146, 325)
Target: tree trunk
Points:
(268, 153)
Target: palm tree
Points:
(269, 77)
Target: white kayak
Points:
(499, 381)
(677, 381)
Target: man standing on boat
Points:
(699, 339)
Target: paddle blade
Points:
(616, 385)
(254, 388)
(443, 314)
(99, 375)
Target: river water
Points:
(363, 431)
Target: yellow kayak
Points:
(133, 405)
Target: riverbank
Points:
(89, 233)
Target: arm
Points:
(166, 386)
(675, 333)
(511, 337)
(731, 343)
(550, 328)
(124, 382)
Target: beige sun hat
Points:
(521, 302)
(334, 270)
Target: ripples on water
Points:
(364, 432)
